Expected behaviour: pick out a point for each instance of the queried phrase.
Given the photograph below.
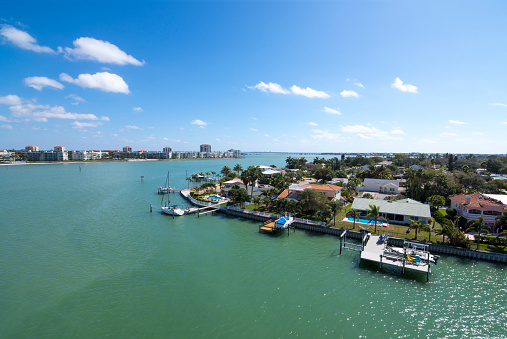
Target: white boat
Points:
(284, 222)
(172, 210)
(165, 189)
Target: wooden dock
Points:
(375, 250)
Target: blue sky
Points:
(343, 76)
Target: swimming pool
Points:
(366, 221)
(214, 197)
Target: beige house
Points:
(294, 191)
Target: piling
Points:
(151, 208)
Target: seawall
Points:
(320, 227)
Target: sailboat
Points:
(171, 210)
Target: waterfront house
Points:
(397, 212)
(382, 186)
(472, 206)
(294, 191)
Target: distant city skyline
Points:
(362, 76)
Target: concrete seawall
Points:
(320, 227)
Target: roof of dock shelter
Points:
(407, 207)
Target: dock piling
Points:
(151, 208)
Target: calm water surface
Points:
(82, 256)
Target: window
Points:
(472, 211)
(491, 213)
(414, 218)
(391, 189)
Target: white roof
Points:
(270, 171)
(264, 167)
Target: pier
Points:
(412, 257)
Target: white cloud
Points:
(133, 127)
(80, 125)
(103, 81)
(36, 112)
(397, 131)
(358, 84)
(332, 111)
(312, 124)
(367, 132)
(7, 126)
(325, 135)
(254, 129)
(199, 123)
(22, 39)
(498, 104)
(266, 135)
(75, 97)
(477, 133)
(398, 84)
(276, 88)
(5, 119)
(308, 92)
(10, 100)
(505, 122)
(457, 122)
(348, 94)
(270, 87)
(138, 109)
(40, 82)
(100, 51)
(449, 134)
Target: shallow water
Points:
(82, 256)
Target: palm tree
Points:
(418, 225)
(335, 206)
(256, 201)
(501, 221)
(238, 168)
(374, 212)
(479, 226)
(354, 214)
(225, 171)
(427, 228)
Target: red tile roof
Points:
(477, 200)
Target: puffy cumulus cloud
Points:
(103, 81)
(270, 88)
(312, 124)
(399, 85)
(10, 100)
(308, 92)
(40, 82)
(22, 39)
(368, 132)
(457, 122)
(348, 94)
(331, 110)
(138, 109)
(4, 119)
(100, 51)
(199, 123)
(81, 125)
(295, 90)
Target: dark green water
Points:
(82, 256)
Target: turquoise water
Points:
(213, 197)
(365, 221)
(82, 256)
